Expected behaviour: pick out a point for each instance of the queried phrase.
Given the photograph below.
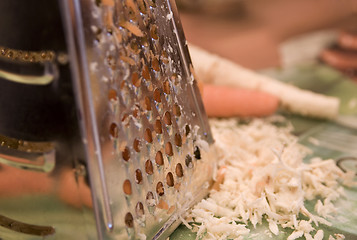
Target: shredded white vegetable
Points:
(265, 179)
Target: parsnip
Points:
(213, 69)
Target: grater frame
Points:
(147, 140)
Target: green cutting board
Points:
(320, 79)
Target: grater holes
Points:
(137, 145)
(170, 179)
(146, 73)
(159, 159)
(160, 189)
(153, 32)
(125, 119)
(152, 3)
(127, 187)
(113, 130)
(142, 7)
(175, 79)
(124, 92)
(150, 199)
(166, 87)
(97, 32)
(123, 86)
(135, 79)
(126, 154)
(134, 46)
(129, 220)
(179, 170)
(148, 135)
(109, 30)
(98, 3)
(147, 104)
(197, 153)
(187, 130)
(157, 95)
(149, 169)
(136, 112)
(112, 95)
(188, 161)
(178, 140)
(164, 57)
(139, 209)
(155, 64)
(138, 176)
(144, 42)
(167, 118)
(131, 14)
(149, 86)
(177, 110)
(158, 126)
(168, 149)
(127, 60)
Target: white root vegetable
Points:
(213, 69)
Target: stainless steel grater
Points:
(139, 147)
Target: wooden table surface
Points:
(250, 32)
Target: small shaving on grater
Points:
(148, 142)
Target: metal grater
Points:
(143, 143)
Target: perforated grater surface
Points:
(147, 136)
(103, 134)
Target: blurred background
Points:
(254, 33)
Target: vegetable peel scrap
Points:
(265, 179)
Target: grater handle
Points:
(73, 21)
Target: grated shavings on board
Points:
(265, 179)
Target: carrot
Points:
(223, 101)
(19, 182)
(74, 192)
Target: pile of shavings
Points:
(265, 179)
